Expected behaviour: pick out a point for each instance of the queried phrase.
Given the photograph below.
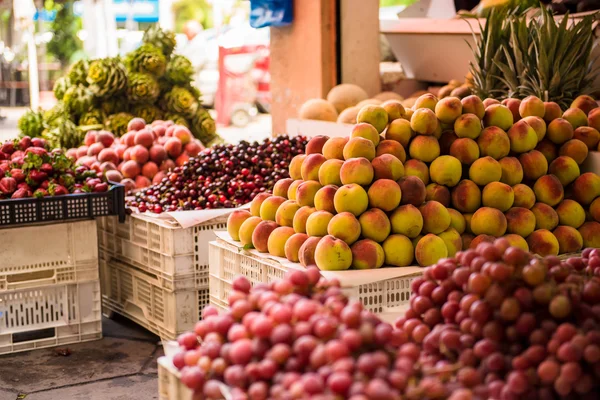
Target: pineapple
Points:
(142, 88)
(146, 58)
(164, 40)
(106, 77)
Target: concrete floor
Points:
(121, 366)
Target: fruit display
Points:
(412, 186)
(149, 82)
(142, 156)
(223, 176)
(495, 322)
(28, 168)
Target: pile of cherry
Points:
(492, 323)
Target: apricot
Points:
(576, 117)
(269, 207)
(485, 170)
(532, 106)
(586, 188)
(424, 121)
(293, 189)
(306, 192)
(585, 103)
(366, 131)
(400, 131)
(260, 236)
(436, 217)
(448, 109)
(352, 198)
(424, 148)
(286, 212)
(391, 147)
(356, 170)
(374, 225)
(549, 190)
(466, 196)
(493, 142)
(333, 149)
(512, 171)
(590, 233)
(560, 131)
(517, 241)
(413, 190)
(498, 195)
(438, 193)
(247, 230)
(317, 222)
(570, 213)
(407, 220)
(235, 221)
(498, 115)
(543, 242)
(488, 221)
(522, 136)
(534, 164)
(457, 221)
(281, 187)
(306, 254)
(548, 149)
(569, 239)
(551, 111)
(374, 115)
(545, 216)
(359, 147)
(473, 105)
(575, 149)
(520, 221)
(465, 150)
(387, 166)
(323, 199)
(277, 240)
(398, 250)
(300, 217)
(293, 245)
(453, 241)
(445, 170)
(384, 194)
(538, 125)
(418, 169)
(333, 254)
(588, 135)
(467, 126)
(344, 226)
(257, 203)
(311, 165)
(430, 250)
(367, 254)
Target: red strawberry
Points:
(8, 185)
(25, 143)
(47, 168)
(40, 193)
(101, 187)
(40, 151)
(18, 174)
(8, 148)
(38, 142)
(37, 176)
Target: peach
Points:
(532, 106)
(465, 150)
(466, 196)
(394, 109)
(193, 148)
(293, 189)
(594, 119)
(548, 189)
(493, 142)
(407, 220)
(286, 212)
(246, 230)
(512, 171)
(436, 217)
(485, 170)
(467, 126)
(311, 165)
(333, 254)
(72, 153)
(306, 253)
(413, 190)
(366, 131)
(173, 146)
(481, 239)
(91, 138)
(334, 148)
(129, 184)
(182, 133)
(513, 106)
(374, 225)
(130, 169)
(453, 241)
(95, 149)
(424, 121)
(543, 242)
(517, 241)
(300, 217)
(538, 125)
(144, 138)
(235, 221)
(417, 169)
(268, 208)
(329, 173)
(149, 169)
(115, 176)
(316, 223)
(488, 221)
(548, 149)
(141, 182)
(182, 159)
(344, 226)
(473, 105)
(281, 187)
(356, 170)
(315, 144)
(565, 169)
(575, 149)
(167, 165)
(588, 135)
(367, 254)
(534, 164)
(158, 154)
(306, 192)
(559, 131)
(467, 238)
(398, 250)
(296, 166)
(570, 213)
(323, 199)
(391, 147)
(522, 136)
(260, 236)
(446, 170)
(551, 111)
(545, 216)
(498, 115)
(387, 166)
(424, 148)
(384, 194)
(595, 209)
(520, 221)
(257, 203)
(586, 188)
(576, 117)
(448, 109)
(108, 155)
(359, 147)
(374, 115)
(590, 232)
(400, 131)
(569, 239)
(585, 103)
(430, 250)
(293, 245)
(498, 195)
(277, 240)
(438, 193)
(457, 221)
(352, 198)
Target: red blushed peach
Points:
(293, 245)
(72, 154)
(306, 254)
(82, 151)
(173, 147)
(128, 139)
(144, 138)
(139, 154)
(167, 165)
(95, 149)
(193, 148)
(260, 236)
(108, 155)
(136, 124)
(281, 187)
(183, 134)
(315, 144)
(90, 138)
(107, 166)
(106, 138)
(311, 165)
(159, 130)
(158, 154)
(120, 149)
(113, 176)
(129, 184)
(141, 182)
(130, 169)
(158, 177)
(182, 159)
(149, 169)
(413, 190)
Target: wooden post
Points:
(303, 59)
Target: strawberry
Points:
(47, 168)
(40, 151)
(21, 194)
(8, 185)
(4, 156)
(39, 142)
(101, 187)
(8, 148)
(17, 174)
(24, 185)
(39, 193)
(25, 143)
(57, 190)
(37, 176)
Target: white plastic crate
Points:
(49, 316)
(382, 290)
(50, 254)
(169, 382)
(156, 246)
(141, 297)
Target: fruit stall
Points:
(444, 245)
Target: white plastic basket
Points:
(49, 316)
(169, 382)
(141, 297)
(49, 254)
(177, 256)
(382, 291)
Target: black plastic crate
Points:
(62, 208)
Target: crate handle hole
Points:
(30, 276)
(34, 335)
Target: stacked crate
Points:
(155, 273)
(49, 286)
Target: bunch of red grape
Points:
(499, 323)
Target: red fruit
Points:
(47, 168)
(173, 147)
(8, 185)
(38, 142)
(193, 148)
(136, 124)
(17, 174)
(24, 143)
(17, 157)
(95, 149)
(170, 130)
(38, 176)
(59, 190)
(113, 176)
(182, 159)
(72, 154)
(96, 166)
(167, 165)
(40, 151)
(149, 169)
(162, 140)
(142, 182)
(130, 169)
(144, 137)
(139, 154)
(120, 149)
(129, 184)
(158, 177)
(129, 139)
(86, 160)
(20, 194)
(107, 166)
(182, 133)
(101, 187)
(82, 151)
(8, 148)
(108, 155)
(158, 154)
(4, 156)
(90, 138)
(160, 130)
(106, 138)
(127, 154)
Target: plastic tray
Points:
(63, 208)
(140, 297)
(169, 382)
(49, 316)
(50, 254)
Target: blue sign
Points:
(44, 15)
(140, 11)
